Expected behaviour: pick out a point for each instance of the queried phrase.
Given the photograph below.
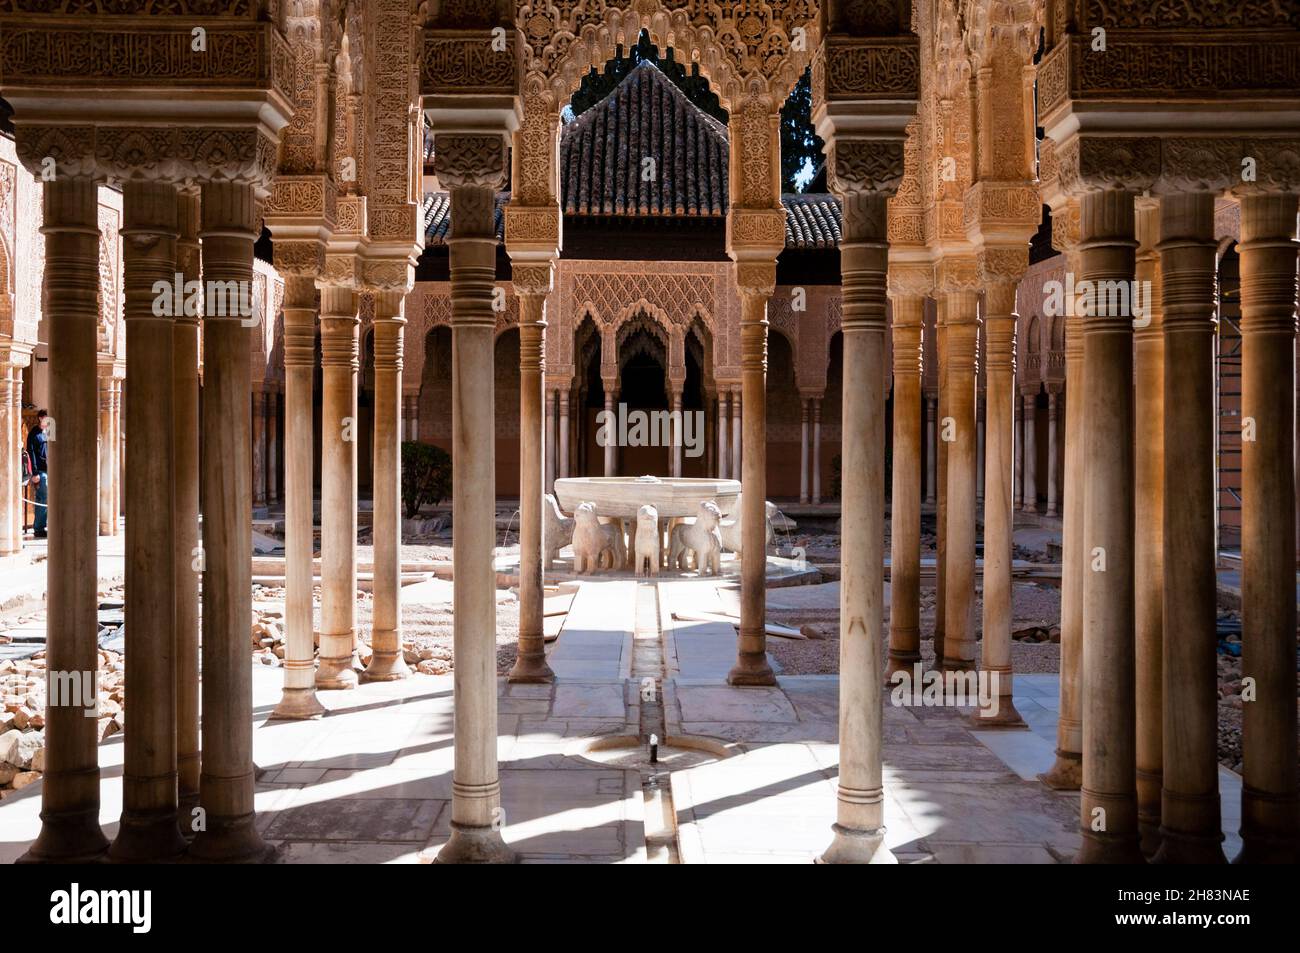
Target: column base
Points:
(1149, 835)
(751, 669)
(147, 839)
(900, 661)
(1260, 849)
(475, 845)
(386, 667)
(531, 669)
(230, 840)
(297, 704)
(336, 674)
(1102, 848)
(71, 838)
(185, 806)
(1179, 848)
(1066, 774)
(857, 847)
(1006, 717)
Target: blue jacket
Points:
(36, 447)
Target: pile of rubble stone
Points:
(22, 714)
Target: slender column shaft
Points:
(1148, 542)
(736, 472)
(530, 660)
(1020, 455)
(338, 517)
(259, 447)
(751, 666)
(676, 451)
(1000, 385)
(817, 450)
(1270, 831)
(119, 452)
(611, 442)
(932, 453)
(107, 458)
(298, 699)
(1190, 828)
(550, 398)
(1108, 807)
(10, 447)
(1066, 773)
(476, 788)
(979, 450)
(147, 829)
(272, 446)
(185, 527)
(723, 426)
(230, 219)
(859, 827)
(70, 829)
(905, 510)
(564, 433)
(941, 508)
(804, 462)
(959, 571)
(386, 661)
(1053, 454)
(1030, 501)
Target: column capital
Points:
(471, 159)
(533, 278)
(756, 278)
(910, 279)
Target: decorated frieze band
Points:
(757, 228)
(534, 226)
(471, 61)
(304, 195)
(242, 155)
(220, 54)
(232, 9)
(1178, 164)
(1168, 66)
(1201, 15)
(858, 68)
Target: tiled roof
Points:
(811, 221)
(603, 153)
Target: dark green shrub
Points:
(426, 476)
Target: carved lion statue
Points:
(646, 545)
(730, 527)
(595, 546)
(701, 538)
(557, 531)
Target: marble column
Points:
(1018, 478)
(1053, 451)
(187, 549)
(565, 428)
(804, 462)
(1108, 806)
(941, 506)
(959, 569)
(272, 446)
(386, 662)
(147, 830)
(817, 450)
(1148, 545)
(723, 425)
(1029, 501)
(10, 458)
(476, 789)
(550, 398)
(119, 451)
(1270, 830)
(259, 447)
(979, 449)
(676, 411)
(298, 697)
(1066, 772)
(932, 450)
(999, 515)
(230, 224)
(905, 510)
(338, 507)
(1190, 830)
(107, 458)
(757, 281)
(611, 431)
(735, 436)
(859, 828)
(532, 282)
(70, 831)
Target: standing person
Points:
(37, 443)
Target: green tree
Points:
(426, 476)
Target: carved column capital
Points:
(470, 159)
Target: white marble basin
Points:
(620, 496)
